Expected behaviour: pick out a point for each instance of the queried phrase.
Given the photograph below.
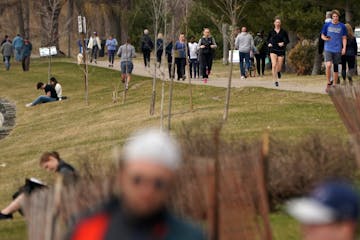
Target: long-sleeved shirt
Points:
(275, 38)
(126, 52)
(111, 44)
(244, 42)
(7, 49)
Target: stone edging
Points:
(8, 111)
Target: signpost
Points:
(82, 31)
(48, 52)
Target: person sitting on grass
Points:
(49, 161)
(50, 95)
(58, 89)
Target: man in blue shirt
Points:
(334, 34)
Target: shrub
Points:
(301, 57)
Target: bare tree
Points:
(231, 12)
(49, 16)
(158, 10)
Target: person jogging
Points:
(334, 34)
(277, 40)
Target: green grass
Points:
(72, 128)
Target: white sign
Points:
(47, 51)
(82, 24)
(236, 57)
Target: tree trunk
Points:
(70, 25)
(26, 11)
(21, 18)
(225, 28)
(50, 12)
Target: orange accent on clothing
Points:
(93, 228)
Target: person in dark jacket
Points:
(25, 55)
(261, 52)
(147, 46)
(277, 41)
(350, 55)
(49, 161)
(169, 54)
(50, 94)
(159, 48)
(146, 177)
(206, 45)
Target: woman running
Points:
(277, 39)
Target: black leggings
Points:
(260, 59)
(350, 61)
(180, 67)
(146, 54)
(111, 56)
(206, 60)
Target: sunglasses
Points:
(158, 184)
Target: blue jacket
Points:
(26, 50)
(18, 42)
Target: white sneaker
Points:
(242, 77)
(28, 105)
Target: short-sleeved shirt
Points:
(336, 32)
(49, 88)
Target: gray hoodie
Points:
(244, 42)
(7, 49)
(126, 52)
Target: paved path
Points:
(265, 82)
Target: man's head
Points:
(50, 161)
(330, 212)
(147, 171)
(335, 15)
(182, 37)
(95, 34)
(40, 85)
(146, 31)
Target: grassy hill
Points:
(75, 129)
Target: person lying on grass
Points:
(50, 95)
(49, 161)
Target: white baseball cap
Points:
(152, 145)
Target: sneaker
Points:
(279, 75)
(95, 61)
(276, 84)
(205, 80)
(242, 77)
(109, 65)
(5, 216)
(126, 86)
(28, 105)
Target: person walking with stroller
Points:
(261, 52)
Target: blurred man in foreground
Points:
(146, 176)
(330, 212)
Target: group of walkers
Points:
(20, 47)
(199, 54)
